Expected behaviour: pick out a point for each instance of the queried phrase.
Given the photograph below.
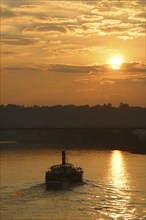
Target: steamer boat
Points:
(58, 175)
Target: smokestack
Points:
(63, 158)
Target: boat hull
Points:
(57, 181)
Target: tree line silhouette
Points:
(71, 116)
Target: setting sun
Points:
(116, 62)
(66, 52)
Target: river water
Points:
(114, 187)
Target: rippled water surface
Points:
(114, 186)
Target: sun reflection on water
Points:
(118, 173)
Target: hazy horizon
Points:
(71, 104)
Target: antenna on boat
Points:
(63, 157)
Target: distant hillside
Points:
(70, 116)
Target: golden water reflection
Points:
(118, 172)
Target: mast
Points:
(63, 158)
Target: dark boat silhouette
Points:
(58, 175)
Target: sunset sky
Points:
(61, 52)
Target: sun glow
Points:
(117, 169)
(116, 62)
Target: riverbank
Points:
(133, 140)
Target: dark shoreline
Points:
(36, 146)
(131, 140)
